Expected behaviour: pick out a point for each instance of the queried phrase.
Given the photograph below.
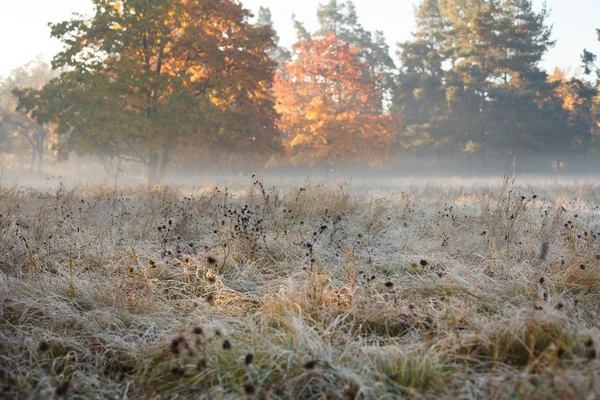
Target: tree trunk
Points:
(106, 166)
(33, 155)
(440, 161)
(482, 162)
(164, 161)
(40, 152)
(514, 165)
(586, 162)
(470, 164)
(152, 168)
(40, 161)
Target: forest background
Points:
(166, 86)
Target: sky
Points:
(24, 32)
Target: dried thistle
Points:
(43, 346)
(63, 388)
(591, 351)
(249, 388)
(210, 298)
(544, 251)
(560, 352)
(175, 343)
(198, 331)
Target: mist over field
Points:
(191, 210)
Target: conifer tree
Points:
(277, 53)
(589, 61)
(470, 76)
(422, 96)
(341, 18)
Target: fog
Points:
(86, 171)
(343, 104)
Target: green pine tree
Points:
(277, 53)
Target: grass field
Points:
(313, 292)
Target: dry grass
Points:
(300, 293)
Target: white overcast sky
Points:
(24, 33)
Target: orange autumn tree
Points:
(328, 102)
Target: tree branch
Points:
(142, 159)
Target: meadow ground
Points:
(300, 292)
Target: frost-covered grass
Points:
(300, 292)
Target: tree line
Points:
(202, 83)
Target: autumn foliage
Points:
(202, 83)
(162, 81)
(327, 99)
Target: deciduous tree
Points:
(28, 131)
(341, 19)
(327, 98)
(153, 78)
